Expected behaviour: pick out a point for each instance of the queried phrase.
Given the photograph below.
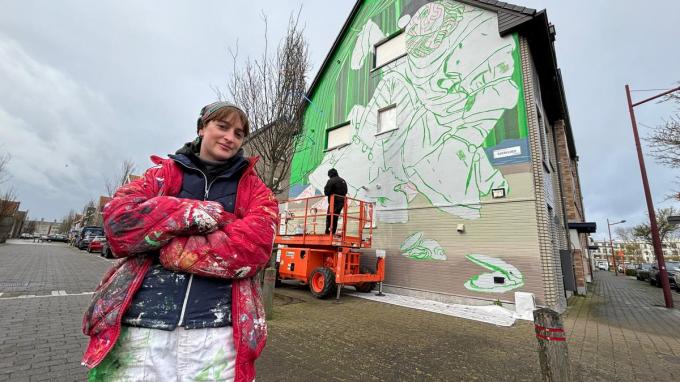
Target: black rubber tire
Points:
(365, 287)
(329, 286)
(88, 250)
(651, 281)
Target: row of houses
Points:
(451, 117)
(634, 251)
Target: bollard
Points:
(268, 292)
(552, 345)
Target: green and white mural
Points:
(502, 278)
(417, 247)
(460, 131)
(451, 92)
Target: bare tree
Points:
(666, 229)
(664, 140)
(270, 90)
(8, 197)
(4, 160)
(127, 168)
(67, 222)
(30, 227)
(89, 213)
(631, 245)
(8, 203)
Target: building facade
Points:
(451, 117)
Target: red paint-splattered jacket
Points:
(144, 217)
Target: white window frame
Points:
(384, 109)
(335, 130)
(395, 41)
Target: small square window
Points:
(339, 136)
(390, 49)
(387, 119)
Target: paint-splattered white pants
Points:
(143, 354)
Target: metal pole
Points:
(656, 240)
(611, 245)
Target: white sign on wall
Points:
(507, 152)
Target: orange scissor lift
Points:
(326, 262)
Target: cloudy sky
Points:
(84, 87)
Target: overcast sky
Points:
(84, 87)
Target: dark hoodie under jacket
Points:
(164, 294)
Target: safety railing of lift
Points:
(355, 222)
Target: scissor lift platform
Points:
(326, 261)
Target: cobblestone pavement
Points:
(622, 331)
(41, 310)
(617, 332)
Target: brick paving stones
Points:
(620, 331)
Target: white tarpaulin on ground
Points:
(491, 314)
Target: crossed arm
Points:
(193, 236)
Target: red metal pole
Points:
(656, 240)
(611, 244)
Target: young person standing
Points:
(182, 304)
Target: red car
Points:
(96, 244)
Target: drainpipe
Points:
(564, 205)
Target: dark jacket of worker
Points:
(335, 186)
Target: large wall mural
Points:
(451, 90)
(461, 131)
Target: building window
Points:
(338, 136)
(390, 49)
(387, 119)
(543, 136)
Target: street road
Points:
(44, 290)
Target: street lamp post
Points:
(611, 243)
(656, 239)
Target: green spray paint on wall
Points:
(340, 88)
(513, 124)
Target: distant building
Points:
(634, 251)
(43, 227)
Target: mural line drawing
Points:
(417, 247)
(511, 277)
(450, 91)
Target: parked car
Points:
(87, 234)
(96, 244)
(642, 271)
(106, 250)
(26, 236)
(57, 237)
(672, 268)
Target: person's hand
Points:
(206, 218)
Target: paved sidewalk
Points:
(619, 332)
(622, 331)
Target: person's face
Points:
(222, 138)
